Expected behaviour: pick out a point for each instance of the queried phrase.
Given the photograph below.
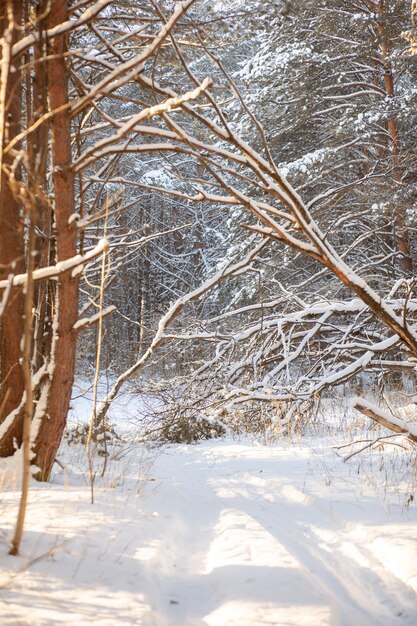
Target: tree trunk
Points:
(11, 233)
(62, 365)
(38, 161)
(401, 231)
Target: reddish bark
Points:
(402, 235)
(11, 252)
(37, 158)
(66, 307)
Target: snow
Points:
(223, 533)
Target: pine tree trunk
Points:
(38, 159)
(11, 236)
(61, 370)
(401, 231)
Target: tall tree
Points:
(63, 346)
(12, 251)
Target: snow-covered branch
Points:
(86, 322)
(386, 419)
(229, 269)
(54, 271)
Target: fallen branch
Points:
(384, 418)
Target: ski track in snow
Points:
(218, 534)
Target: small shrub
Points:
(185, 429)
(102, 436)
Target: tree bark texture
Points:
(38, 162)
(401, 232)
(62, 365)
(11, 233)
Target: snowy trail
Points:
(257, 550)
(223, 534)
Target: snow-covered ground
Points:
(222, 533)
